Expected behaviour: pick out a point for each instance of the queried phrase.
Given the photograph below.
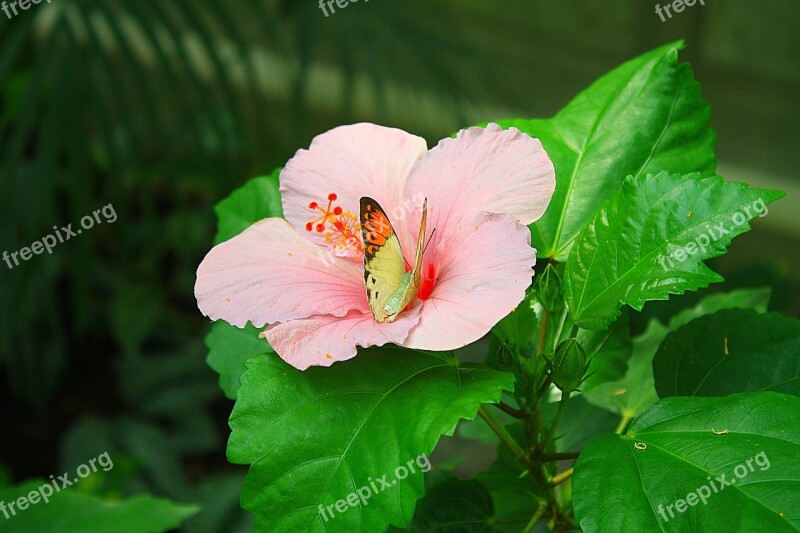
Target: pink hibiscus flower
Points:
(304, 276)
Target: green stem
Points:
(545, 385)
(516, 413)
(623, 424)
(542, 341)
(561, 478)
(574, 331)
(534, 519)
(501, 431)
(562, 456)
(562, 406)
(564, 314)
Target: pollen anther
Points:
(340, 228)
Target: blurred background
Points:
(163, 108)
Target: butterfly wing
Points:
(416, 274)
(384, 266)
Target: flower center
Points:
(428, 281)
(340, 228)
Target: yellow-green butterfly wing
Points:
(389, 288)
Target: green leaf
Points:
(454, 505)
(757, 299)
(518, 329)
(258, 198)
(644, 117)
(582, 422)
(630, 395)
(679, 446)
(74, 511)
(734, 350)
(608, 352)
(314, 437)
(229, 349)
(650, 241)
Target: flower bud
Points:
(549, 289)
(569, 365)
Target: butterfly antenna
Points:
(429, 241)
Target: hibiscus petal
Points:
(323, 340)
(483, 272)
(484, 169)
(350, 161)
(269, 273)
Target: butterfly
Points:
(389, 287)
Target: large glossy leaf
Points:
(76, 512)
(735, 350)
(630, 395)
(650, 241)
(643, 117)
(659, 476)
(314, 437)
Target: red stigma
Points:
(313, 205)
(320, 228)
(337, 211)
(332, 197)
(428, 282)
(309, 226)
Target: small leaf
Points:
(650, 241)
(315, 437)
(74, 511)
(734, 350)
(675, 450)
(258, 198)
(229, 349)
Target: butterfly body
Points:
(389, 287)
